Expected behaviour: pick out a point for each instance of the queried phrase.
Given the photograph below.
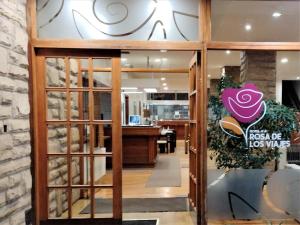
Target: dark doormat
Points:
(99, 222)
(131, 205)
(139, 222)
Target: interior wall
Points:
(15, 148)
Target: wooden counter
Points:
(140, 145)
(177, 125)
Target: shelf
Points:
(193, 121)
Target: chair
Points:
(162, 144)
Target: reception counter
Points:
(177, 125)
(140, 145)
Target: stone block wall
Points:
(259, 67)
(15, 148)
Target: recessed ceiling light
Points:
(129, 88)
(166, 88)
(284, 60)
(157, 60)
(163, 51)
(228, 52)
(248, 27)
(298, 78)
(208, 75)
(277, 14)
(163, 78)
(164, 84)
(150, 90)
(123, 59)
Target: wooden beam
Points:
(31, 19)
(142, 70)
(155, 70)
(117, 44)
(280, 46)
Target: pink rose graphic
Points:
(244, 104)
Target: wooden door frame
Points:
(204, 44)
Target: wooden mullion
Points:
(203, 136)
(69, 159)
(81, 126)
(92, 133)
(117, 138)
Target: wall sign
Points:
(246, 106)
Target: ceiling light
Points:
(284, 60)
(150, 90)
(166, 88)
(163, 50)
(132, 92)
(123, 59)
(163, 78)
(228, 52)
(129, 88)
(208, 75)
(164, 84)
(298, 78)
(157, 60)
(164, 59)
(277, 14)
(248, 27)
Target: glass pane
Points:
(103, 170)
(102, 106)
(57, 139)
(103, 138)
(57, 106)
(55, 72)
(81, 173)
(103, 203)
(102, 79)
(81, 199)
(258, 21)
(57, 171)
(78, 78)
(80, 105)
(249, 136)
(80, 138)
(123, 20)
(58, 204)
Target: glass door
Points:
(78, 132)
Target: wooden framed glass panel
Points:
(79, 143)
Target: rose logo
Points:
(245, 105)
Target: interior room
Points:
(149, 112)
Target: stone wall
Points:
(259, 67)
(15, 148)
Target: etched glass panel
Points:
(123, 19)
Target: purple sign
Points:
(244, 104)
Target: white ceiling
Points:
(230, 17)
(156, 59)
